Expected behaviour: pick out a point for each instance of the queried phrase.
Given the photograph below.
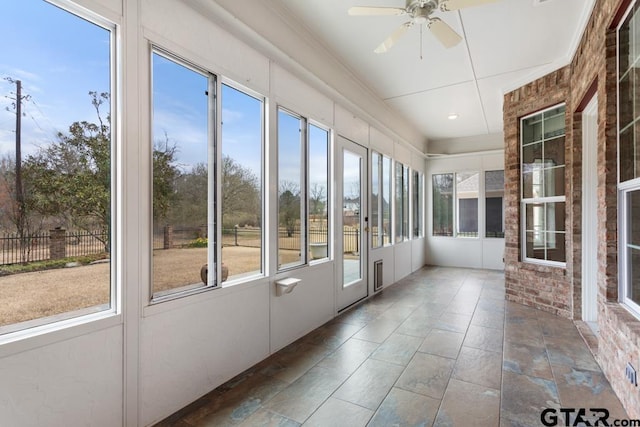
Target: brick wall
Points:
(593, 69)
(543, 287)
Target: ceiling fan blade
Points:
(461, 4)
(393, 38)
(375, 11)
(443, 32)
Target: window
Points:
(183, 217)
(543, 196)
(385, 221)
(401, 202)
(56, 186)
(443, 204)
(380, 199)
(318, 192)
(467, 188)
(629, 158)
(494, 203)
(241, 191)
(302, 187)
(376, 200)
(417, 198)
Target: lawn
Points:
(33, 295)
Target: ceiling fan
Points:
(419, 12)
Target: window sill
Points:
(543, 263)
(200, 295)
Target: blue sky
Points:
(60, 58)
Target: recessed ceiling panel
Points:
(511, 35)
(491, 92)
(429, 111)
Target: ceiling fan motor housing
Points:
(420, 10)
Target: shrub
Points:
(200, 242)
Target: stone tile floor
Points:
(441, 347)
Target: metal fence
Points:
(179, 237)
(37, 246)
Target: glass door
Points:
(352, 223)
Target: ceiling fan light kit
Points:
(419, 12)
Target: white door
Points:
(351, 220)
(589, 212)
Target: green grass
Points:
(6, 270)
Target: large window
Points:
(57, 219)
(629, 157)
(456, 204)
(467, 190)
(303, 229)
(318, 192)
(442, 204)
(241, 187)
(401, 202)
(183, 160)
(417, 205)
(380, 199)
(543, 196)
(494, 203)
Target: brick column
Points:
(57, 243)
(168, 236)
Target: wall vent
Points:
(377, 276)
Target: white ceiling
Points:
(506, 44)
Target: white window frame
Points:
(67, 324)
(524, 202)
(305, 259)
(453, 205)
(624, 282)
(456, 204)
(329, 196)
(484, 188)
(624, 188)
(263, 184)
(213, 105)
(419, 203)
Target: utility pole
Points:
(20, 220)
(19, 192)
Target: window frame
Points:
(417, 204)
(329, 195)
(627, 186)
(624, 271)
(451, 205)
(213, 182)
(305, 123)
(401, 202)
(502, 205)
(246, 277)
(456, 204)
(524, 202)
(29, 334)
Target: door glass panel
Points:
(351, 211)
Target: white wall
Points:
(71, 382)
(466, 252)
(139, 365)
